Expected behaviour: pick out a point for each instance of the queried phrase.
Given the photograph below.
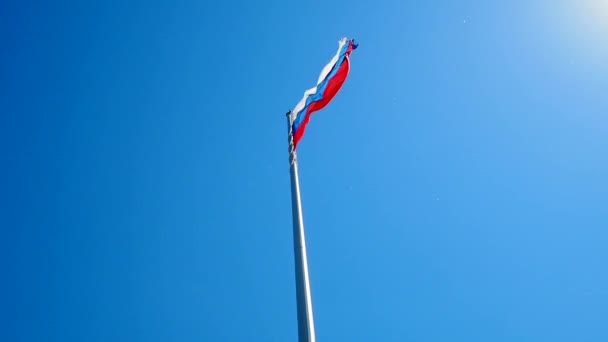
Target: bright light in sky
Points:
(580, 29)
(599, 8)
(590, 18)
(594, 17)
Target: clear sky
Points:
(454, 190)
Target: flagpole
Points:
(306, 327)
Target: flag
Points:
(330, 80)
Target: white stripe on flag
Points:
(324, 72)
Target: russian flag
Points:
(330, 80)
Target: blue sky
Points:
(454, 190)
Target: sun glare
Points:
(582, 27)
(596, 14)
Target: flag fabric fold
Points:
(329, 83)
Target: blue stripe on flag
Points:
(320, 89)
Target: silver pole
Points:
(306, 326)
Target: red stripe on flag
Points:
(332, 88)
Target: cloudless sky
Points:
(454, 190)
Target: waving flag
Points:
(330, 80)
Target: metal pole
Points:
(306, 327)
